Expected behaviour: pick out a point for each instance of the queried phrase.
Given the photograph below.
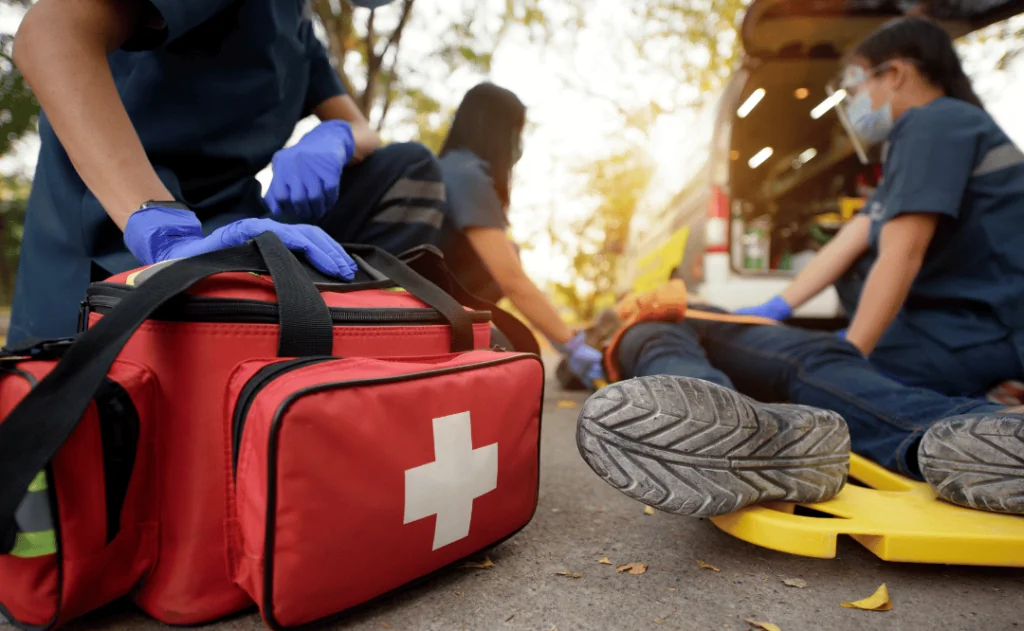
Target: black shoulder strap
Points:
(31, 435)
(408, 279)
(434, 269)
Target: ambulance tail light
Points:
(716, 230)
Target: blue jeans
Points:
(778, 364)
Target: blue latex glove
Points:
(584, 360)
(307, 174)
(776, 309)
(842, 334)
(158, 234)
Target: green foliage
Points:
(396, 87)
(615, 185)
(694, 41)
(13, 198)
(18, 106)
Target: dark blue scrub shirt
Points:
(950, 158)
(214, 88)
(472, 203)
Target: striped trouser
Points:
(394, 199)
(34, 533)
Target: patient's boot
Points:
(976, 460)
(691, 447)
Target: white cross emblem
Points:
(448, 486)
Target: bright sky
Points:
(568, 87)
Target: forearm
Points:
(342, 107)
(883, 296)
(830, 264)
(536, 307)
(62, 52)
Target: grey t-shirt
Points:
(472, 203)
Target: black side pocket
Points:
(119, 434)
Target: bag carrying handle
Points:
(434, 270)
(377, 262)
(37, 427)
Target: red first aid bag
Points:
(286, 421)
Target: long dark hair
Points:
(929, 46)
(487, 122)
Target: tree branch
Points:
(372, 65)
(388, 97)
(339, 30)
(390, 74)
(396, 35)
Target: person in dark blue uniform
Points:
(942, 303)
(482, 147)
(158, 114)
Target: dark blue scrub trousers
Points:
(780, 364)
(394, 200)
(923, 359)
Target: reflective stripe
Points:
(34, 521)
(28, 545)
(411, 214)
(33, 514)
(419, 189)
(38, 483)
(1002, 157)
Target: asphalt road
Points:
(581, 520)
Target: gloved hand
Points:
(776, 309)
(307, 174)
(584, 360)
(158, 234)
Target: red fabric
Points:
(190, 583)
(28, 587)
(172, 552)
(342, 456)
(94, 572)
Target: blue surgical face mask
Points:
(871, 125)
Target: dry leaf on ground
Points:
(605, 561)
(509, 619)
(795, 582)
(707, 566)
(648, 511)
(486, 564)
(566, 404)
(766, 626)
(385, 625)
(570, 574)
(633, 568)
(879, 601)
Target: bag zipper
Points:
(252, 388)
(257, 312)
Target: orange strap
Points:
(667, 303)
(697, 314)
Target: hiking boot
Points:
(691, 447)
(977, 461)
